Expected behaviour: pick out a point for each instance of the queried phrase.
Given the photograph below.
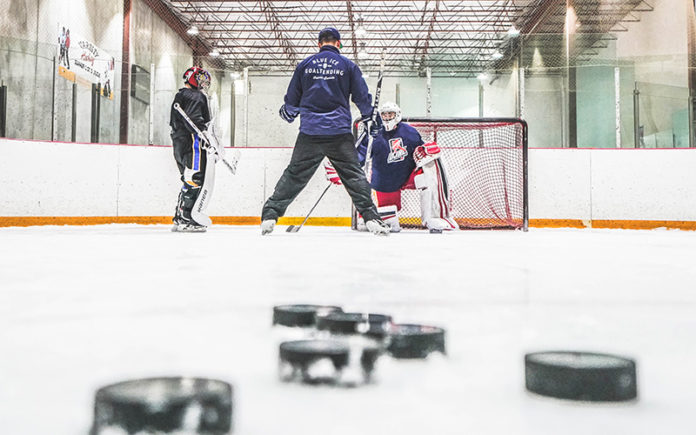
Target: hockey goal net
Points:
(485, 160)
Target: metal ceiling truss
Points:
(462, 37)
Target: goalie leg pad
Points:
(388, 206)
(390, 215)
(204, 195)
(431, 180)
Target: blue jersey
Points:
(392, 157)
(320, 89)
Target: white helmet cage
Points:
(390, 107)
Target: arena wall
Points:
(64, 183)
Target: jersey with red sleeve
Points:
(392, 157)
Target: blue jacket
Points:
(392, 157)
(319, 91)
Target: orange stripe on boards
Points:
(557, 223)
(613, 224)
(644, 225)
(27, 221)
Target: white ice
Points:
(81, 307)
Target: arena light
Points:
(482, 77)
(193, 30)
(513, 32)
(496, 55)
(214, 53)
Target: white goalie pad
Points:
(203, 200)
(390, 215)
(435, 197)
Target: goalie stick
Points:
(231, 166)
(366, 130)
(375, 113)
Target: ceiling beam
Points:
(273, 20)
(352, 29)
(431, 26)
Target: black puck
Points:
(583, 376)
(302, 361)
(375, 325)
(164, 405)
(300, 315)
(415, 341)
(299, 361)
(435, 231)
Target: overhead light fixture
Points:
(362, 53)
(193, 30)
(513, 32)
(482, 77)
(214, 53)
(235, 75)
(360, 31)
(496, 55)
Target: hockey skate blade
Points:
(582, 376)
(164, 405)
(415, 341)
(302, 315)
(435, 231)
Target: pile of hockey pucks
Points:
(582, 376)
(342, 349)
(167, 405)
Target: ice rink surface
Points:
(81, 307)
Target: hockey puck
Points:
(415, 341)
(375, 325)
(584, 376)
(324, 361)
(435, 231)
(301, 315)
(164, 405)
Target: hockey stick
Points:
(366, 130)
(296, 228)
(232, 167)
(375, 113)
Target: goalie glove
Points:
(212, 145)
(331, 174)
(426, 153)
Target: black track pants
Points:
(308, 153)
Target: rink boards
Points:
(72, 183)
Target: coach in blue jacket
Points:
(319, 92)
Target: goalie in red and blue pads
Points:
(401, 160)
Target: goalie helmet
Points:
(391, 115)
(197, 78)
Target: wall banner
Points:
(81, 61)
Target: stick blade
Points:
(293, 228)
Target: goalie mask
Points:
(391, 116)
(198, 78)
